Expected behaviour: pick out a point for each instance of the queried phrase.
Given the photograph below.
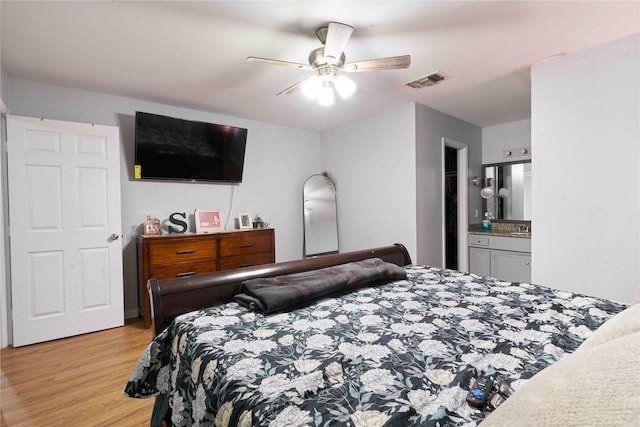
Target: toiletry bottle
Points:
(486, 222)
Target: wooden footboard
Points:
(173, 297)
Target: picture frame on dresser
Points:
(208, 221)
(244, 221)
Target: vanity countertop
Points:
(502, 230)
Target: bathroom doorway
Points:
(451, 207)
(455, 205)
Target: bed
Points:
(401, 351)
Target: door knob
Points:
(114, 236)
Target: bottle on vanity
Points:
(486, 222)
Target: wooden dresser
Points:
(180, 255)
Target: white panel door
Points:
(64, 215)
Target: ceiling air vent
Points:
(430, 80)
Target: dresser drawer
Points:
(181, 250)
(245, 244)
(182, 269)
(227, 263)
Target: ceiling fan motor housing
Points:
(317, 59)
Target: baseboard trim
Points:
(130, 314)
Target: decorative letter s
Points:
(178, 222)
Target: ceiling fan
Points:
(328, 60)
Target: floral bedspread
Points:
(403, 353)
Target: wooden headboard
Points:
(173, 297)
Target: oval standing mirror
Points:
(320, 216)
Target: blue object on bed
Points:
(283, 293)
(402, 353)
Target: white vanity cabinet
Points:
(505, 258)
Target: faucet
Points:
(523, 228)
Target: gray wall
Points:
(373, 162)
(389, 172)
(277, 162)
(431, 127)
(586, 186)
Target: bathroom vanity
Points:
(503, 254)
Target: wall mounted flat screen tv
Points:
(185, 150)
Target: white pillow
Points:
(596, 386)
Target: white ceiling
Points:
(192, 54)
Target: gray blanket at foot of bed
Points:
(283, 293)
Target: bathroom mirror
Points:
(506, 190)
(320, 216)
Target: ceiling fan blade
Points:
(280, 63)
(390, 63)
(294, 88)
(337, 37)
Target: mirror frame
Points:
(484, 201)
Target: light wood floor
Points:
(76, 381)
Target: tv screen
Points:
(177, 149)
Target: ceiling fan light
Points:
(325, 97)
(345, 86)
(312, 87)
